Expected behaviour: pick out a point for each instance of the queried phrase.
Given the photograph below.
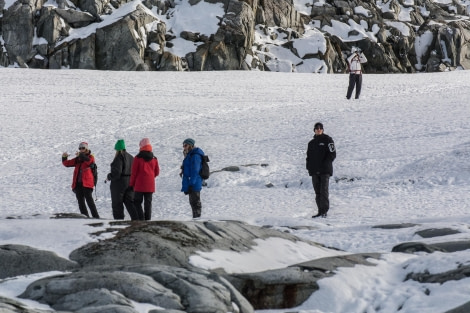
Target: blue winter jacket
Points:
(191, 167)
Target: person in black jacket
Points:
(120, 175)
(321, 153)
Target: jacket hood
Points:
(197, 150)
(146, 155)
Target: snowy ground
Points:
(403, 155)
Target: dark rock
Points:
(412, 247)
(290, 287)
(111, 289)
(395, 226)
(464, 308)
(72, 291)
(50, 26)
(120, 46)
(451, 246)
(11, 306)
(18, 31)
(23, 260)
(436, 232)
(171, 242)
(231, 169)
(461, 272)
(76, 18)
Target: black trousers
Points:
(195, 202)
(120, 196)
(320, 185)
(146, 197)
(85, 194)
(355, 80)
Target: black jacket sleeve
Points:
(116, 168)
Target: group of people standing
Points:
(133, 179)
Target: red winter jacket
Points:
(144, 170)
(81, 164)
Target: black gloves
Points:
(109, 176)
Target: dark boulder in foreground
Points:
(18, 260)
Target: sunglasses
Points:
(81, 148)
(317, 128)
(185, 145)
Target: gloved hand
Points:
(130, 189)
(108, 177)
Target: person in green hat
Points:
(119, 176)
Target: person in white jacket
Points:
(355, 72)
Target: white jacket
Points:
(355, 61)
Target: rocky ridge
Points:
(148, 262)
(315, 36)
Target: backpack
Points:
(94, 170)
(205, 171)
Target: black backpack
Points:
(205, 171)
(94, 170)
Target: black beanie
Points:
(318, 125)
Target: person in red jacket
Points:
(83, 181)
(144, 170)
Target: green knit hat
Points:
(120, 145)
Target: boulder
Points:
(121, 45)
(226, 50)
(171, 243)
(18, 31)
(81, 53)
(11, 306)
(291, 286)
(94, 7)
(50, 25)
(451, 246)
(76, 18)
(395, 226)
(282, 13)
(111, 289)
(23, 260)
(462, 272)
(464, 308)
(436, 232)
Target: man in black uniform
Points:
(320, 155)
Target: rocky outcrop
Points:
(271, 35)
(226, 50)
(170, 288)
(23, 260)
(290, 287)
(171, 243)
(11, 306)
(149, 263)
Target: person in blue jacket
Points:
(191, 180)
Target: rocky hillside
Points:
(307, 36)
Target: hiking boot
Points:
(315, 216)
